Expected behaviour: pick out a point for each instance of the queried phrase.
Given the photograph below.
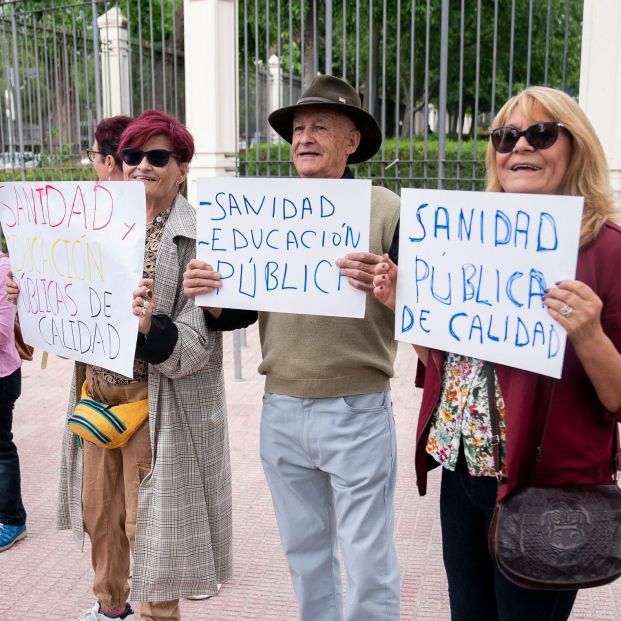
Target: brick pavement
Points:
(45, 577)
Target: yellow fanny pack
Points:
(104, 425)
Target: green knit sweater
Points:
(314, 356)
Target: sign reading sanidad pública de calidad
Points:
(473, 268)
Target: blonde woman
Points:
(541, 142)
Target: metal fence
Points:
(55, 57)
(432, 72)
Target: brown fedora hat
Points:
(326, 91)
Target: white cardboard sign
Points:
(77, 252)
(275, 242)
(473, 267)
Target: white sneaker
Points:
(95, 614)
(202, 595)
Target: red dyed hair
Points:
(108, 136)
(153, 123)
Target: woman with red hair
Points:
(166, 494)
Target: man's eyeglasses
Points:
(156, 157)
(539, 136)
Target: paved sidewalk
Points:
(45, 577)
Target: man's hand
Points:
(359, 267)
(198, 278)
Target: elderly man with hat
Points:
(327, 432)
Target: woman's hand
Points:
(12, 288)
(385, 282)
(142, 305)
(576, 307)
(359, 267)
(385, 290)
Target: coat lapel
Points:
(181, 223)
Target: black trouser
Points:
(11, 507)
(477, 589)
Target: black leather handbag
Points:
(555, 538)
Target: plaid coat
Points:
(184, 522)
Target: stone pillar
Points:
(600, 79)
(114, 43)
(275, 91)
(211, 87)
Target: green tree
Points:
(398, 44)
(57, 50)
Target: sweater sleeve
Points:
(610, 292)
(193, 346)
(231, 319)
(419, 379)
(393, 253)
(159, 344)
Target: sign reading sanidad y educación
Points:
(77, 250)
(473, 267)
(275, 242)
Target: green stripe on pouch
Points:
(86, 424)
(100, 408)
(109, 412)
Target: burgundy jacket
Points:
(580, 441)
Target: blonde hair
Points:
(587, 173)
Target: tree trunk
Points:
(308, 70)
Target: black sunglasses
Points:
(156, 157)
(539, 136)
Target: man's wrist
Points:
(213, 311)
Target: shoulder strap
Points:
(617, 457)
(495, 422)
(494, 418)
(495, 426)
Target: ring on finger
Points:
(566, 311)
(145, 304)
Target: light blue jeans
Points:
(331, 466)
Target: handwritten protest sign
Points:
(275, 242)
(76, 251)
(473, 267)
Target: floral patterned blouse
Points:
(463, 416)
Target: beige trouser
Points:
(109, 499)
